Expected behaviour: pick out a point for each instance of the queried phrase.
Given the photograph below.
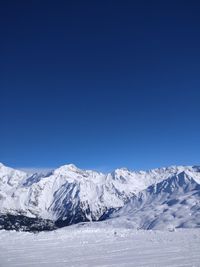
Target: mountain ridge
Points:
(70, 195)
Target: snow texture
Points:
(98, 244)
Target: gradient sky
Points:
(101, 84)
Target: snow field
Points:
(96, 244)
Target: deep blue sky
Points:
(102, 84)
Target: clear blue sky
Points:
(101, 84)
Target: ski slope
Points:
(100, 244)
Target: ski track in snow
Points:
(99, 245)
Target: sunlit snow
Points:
(99, 245)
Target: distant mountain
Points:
(169, 204)
(70, 195)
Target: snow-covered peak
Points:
(71, 194)
(66, 168)
(10, 178)
(4, 170)
(121, 171)
(173, 201)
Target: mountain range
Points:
(154, 199)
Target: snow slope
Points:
(98, 244)
(171, 203)
(70, 195)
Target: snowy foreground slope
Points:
(99, 244)
(156, 199)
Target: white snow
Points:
(61, 193)
(172, 203)
(100, 244)
(165, 198)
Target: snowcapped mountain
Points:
(70, 195)
(171, 203)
